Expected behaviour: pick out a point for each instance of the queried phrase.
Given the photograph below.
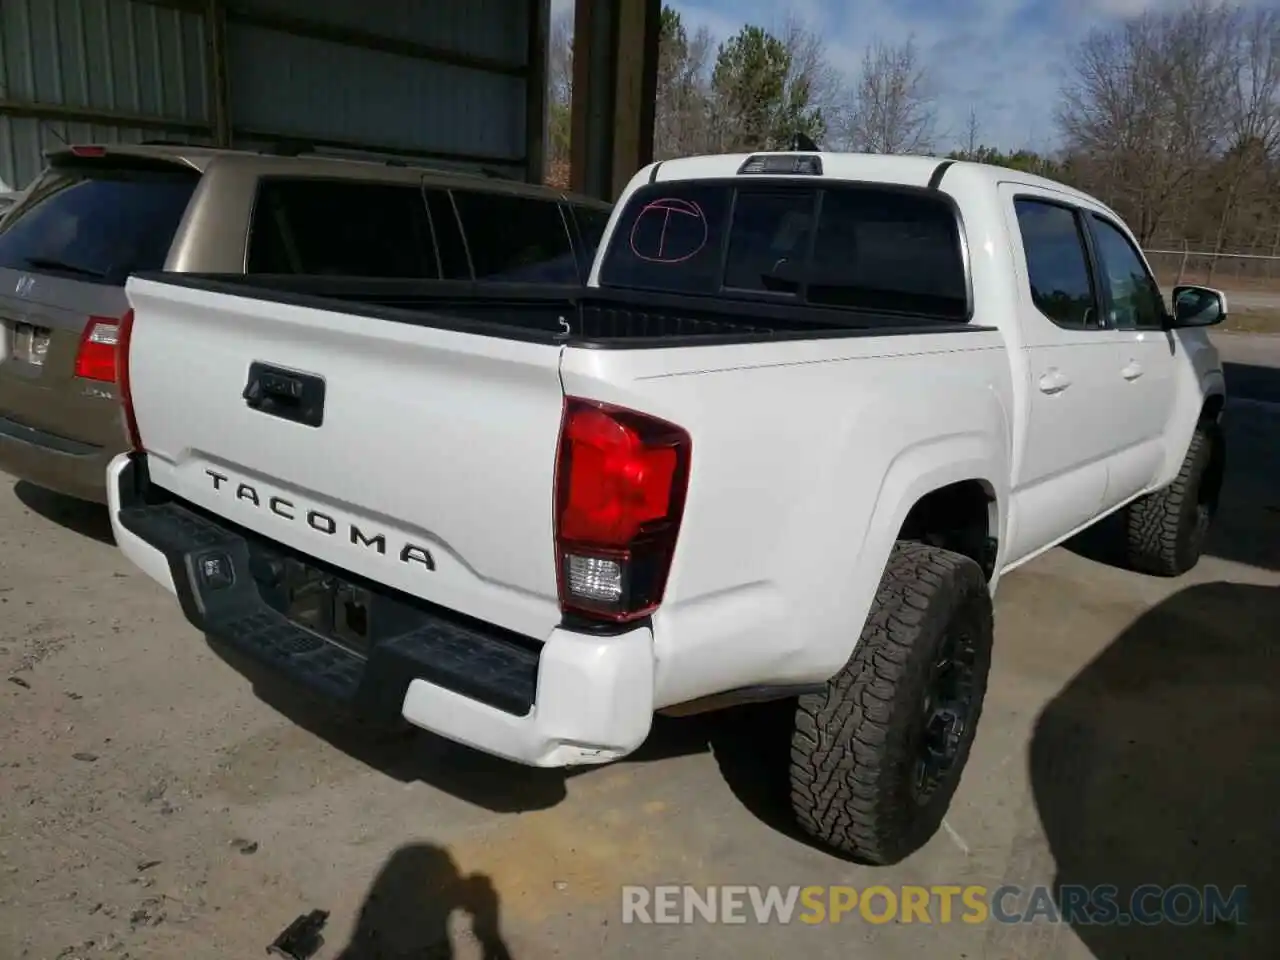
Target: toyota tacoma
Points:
(806, 412)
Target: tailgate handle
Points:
(287, 394)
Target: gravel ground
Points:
(157, 800)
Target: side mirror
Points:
(1198, 307)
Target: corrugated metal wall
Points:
(312, 87)
(445, 79)
(113, 58)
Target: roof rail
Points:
(164, 142)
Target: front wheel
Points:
(1167, 529)
(877, 755)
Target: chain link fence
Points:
(1245, 273)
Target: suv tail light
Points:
(96, 357)
(621, 479)
(126, 390)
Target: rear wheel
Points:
(877, 755)
(1167, 529)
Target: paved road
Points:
(1251, 362)
(1253, 300)
(155, 801)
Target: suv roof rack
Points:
(296, 148)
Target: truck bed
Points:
(568, 315)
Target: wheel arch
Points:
(922, 482)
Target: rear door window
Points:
(97, 221)
(516, 239)
(332, 227)
(845, 246)
(1057, 264)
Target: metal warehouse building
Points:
(449, 82)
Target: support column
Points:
(219, 85)
(535, 152)
(615, 80)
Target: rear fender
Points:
(915, 473)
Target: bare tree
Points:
(811, 78)
(560, 57)
(559, 97)
(894, 104)
(681, 121)
(1145, 106)
(972, 141)
(1253, 118)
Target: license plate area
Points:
(326, 604)
(27, 342)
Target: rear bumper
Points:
(67, 466)
(573, 699)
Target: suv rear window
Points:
(97, 221)
(516, 239)
(856, 247)
(347, 228)
(592, 223)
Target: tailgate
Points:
(428, 467)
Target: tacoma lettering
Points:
(321, 523)
(378, 542)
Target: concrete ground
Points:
(154, 802)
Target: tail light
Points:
(621, 479)
(96, 357)
(126, 391)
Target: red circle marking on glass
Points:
(666, 209)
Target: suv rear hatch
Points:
(66, 250)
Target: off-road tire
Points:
(854, 746)
(1167, 528)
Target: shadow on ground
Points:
(1251, 382)
(750, 744)
(79, 516)
(1247, 528)
(407, 910)
(1157, 764)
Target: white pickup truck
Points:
(807, 411)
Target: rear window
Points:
(96, 222)
(592, 222)
(329, 227)
(516, 239)
(853, 247)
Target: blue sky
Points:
(1004, 58)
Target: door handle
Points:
(1133, 371)
(1053, 382)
